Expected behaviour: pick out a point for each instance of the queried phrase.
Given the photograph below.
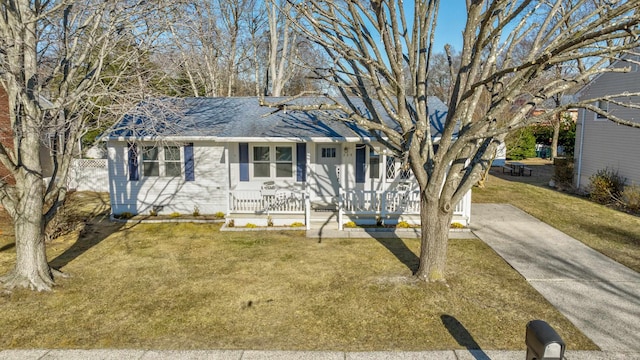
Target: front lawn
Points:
(190, 286)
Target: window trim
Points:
(273, 162)
(161, 161)
(254, 161)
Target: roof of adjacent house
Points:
(243, 118)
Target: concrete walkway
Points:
(598, 295)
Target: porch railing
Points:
(377, 202)
(256, 201)
(388, 202)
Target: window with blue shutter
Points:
(189, 171)
(360, 163)
(301, 162)
(134, 173)
(244, 161)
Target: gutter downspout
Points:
(579, 172)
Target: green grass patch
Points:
(189, 286)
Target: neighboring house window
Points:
(161, 161)
(261, 162)
(604, 106)
(284, 161)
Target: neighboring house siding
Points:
(208, 191)
(602, 144)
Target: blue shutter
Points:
(360, 163)
(189, 173)
(244, 162)
(134, 173)
(301, 162)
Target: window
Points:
(395, 168)
(284, 161)
(172, 161)
(261, 162)
(374, 164)
(150, 162)
(604, 106)
(161, 161)
(328, 152)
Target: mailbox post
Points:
(543, 342)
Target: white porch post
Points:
(340, 208)
(467, 206)
(307, 208)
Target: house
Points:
(258, 165)
(601, 143)
(6, 139)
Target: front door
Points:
(328, 161)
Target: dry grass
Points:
(189, 286)
(611, 232)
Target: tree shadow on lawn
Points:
(463, 337)
(398, 248)
(93, 233)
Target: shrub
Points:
(153, 213)
(631, 198)
(231, 223)
(219, 215)
(457, 225)
(521, 144)
(605, 186)
(269, 221)
(250, 226)
(563, 171)
(196, 211)
(297, 224)
(174, 215)
(350, 224)
(403, 224)
(125, 215)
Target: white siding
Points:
(209, 191)
(605, 144)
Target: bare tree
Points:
(57, 50)
(282, 45)
(389, 43)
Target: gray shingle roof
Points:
(242, 118)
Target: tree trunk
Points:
(32, 269)
(556, 135)
(435, 224)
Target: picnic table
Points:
(516, 168)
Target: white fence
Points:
(88, 175)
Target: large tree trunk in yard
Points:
(434, 239)
(32, 269)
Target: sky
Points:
(451, 20)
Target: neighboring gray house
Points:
(600, 143)
(257, 165)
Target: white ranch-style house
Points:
(260, 166)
